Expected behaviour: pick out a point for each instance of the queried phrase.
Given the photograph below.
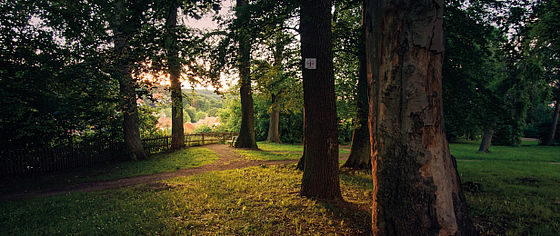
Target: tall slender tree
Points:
(174, 68)
(417, 187)
(320, 176)
(246, 137)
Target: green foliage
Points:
(51, 95)
(148, 120)
(290, 125)
(203, 129)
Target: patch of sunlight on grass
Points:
(271, 147)
(268, 155)
(257, 200)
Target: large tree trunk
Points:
(177, 130)
(486, 140)
(550, 139)
(320, 176)
(273, 134)
(131, 125)
(246, 137)
(417, 187)
(360, 152)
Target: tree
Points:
(125, 25)
(350, 46)
(320, 176)
(246, 137)
(546, 46)
(174, 68)
(417, 187)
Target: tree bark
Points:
(301, 162)
(320, 176)
(273, 134)
(417, 187)
(486, 140)
(550, 139)
(174, 67)
(246, 137)
(360, 152)
(131, 127)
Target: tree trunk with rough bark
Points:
(246, 138)
(131, 127)
(360, 152)
(301, 163)
(417, 187)
(486, 140)
(320, 175)
(273, 134)
(550, 139)
(177, 130)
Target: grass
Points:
(279, 152)
(258, 200)
(529, 151)
(256, 155)
(159, 163)
(272, 147)
(511, 190)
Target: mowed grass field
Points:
(510, 191)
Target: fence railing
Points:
(160, 144)
(23, 162)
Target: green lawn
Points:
(510, 191)
(258, 200)
(163, 162)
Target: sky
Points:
(206, 23)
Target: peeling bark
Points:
(417, 188)
(320, 176)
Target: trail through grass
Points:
(510, 191)
(159, 163)
(258, 200)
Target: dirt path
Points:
(227, 160)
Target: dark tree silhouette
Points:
(320, 176)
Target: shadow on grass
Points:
(357, 216)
